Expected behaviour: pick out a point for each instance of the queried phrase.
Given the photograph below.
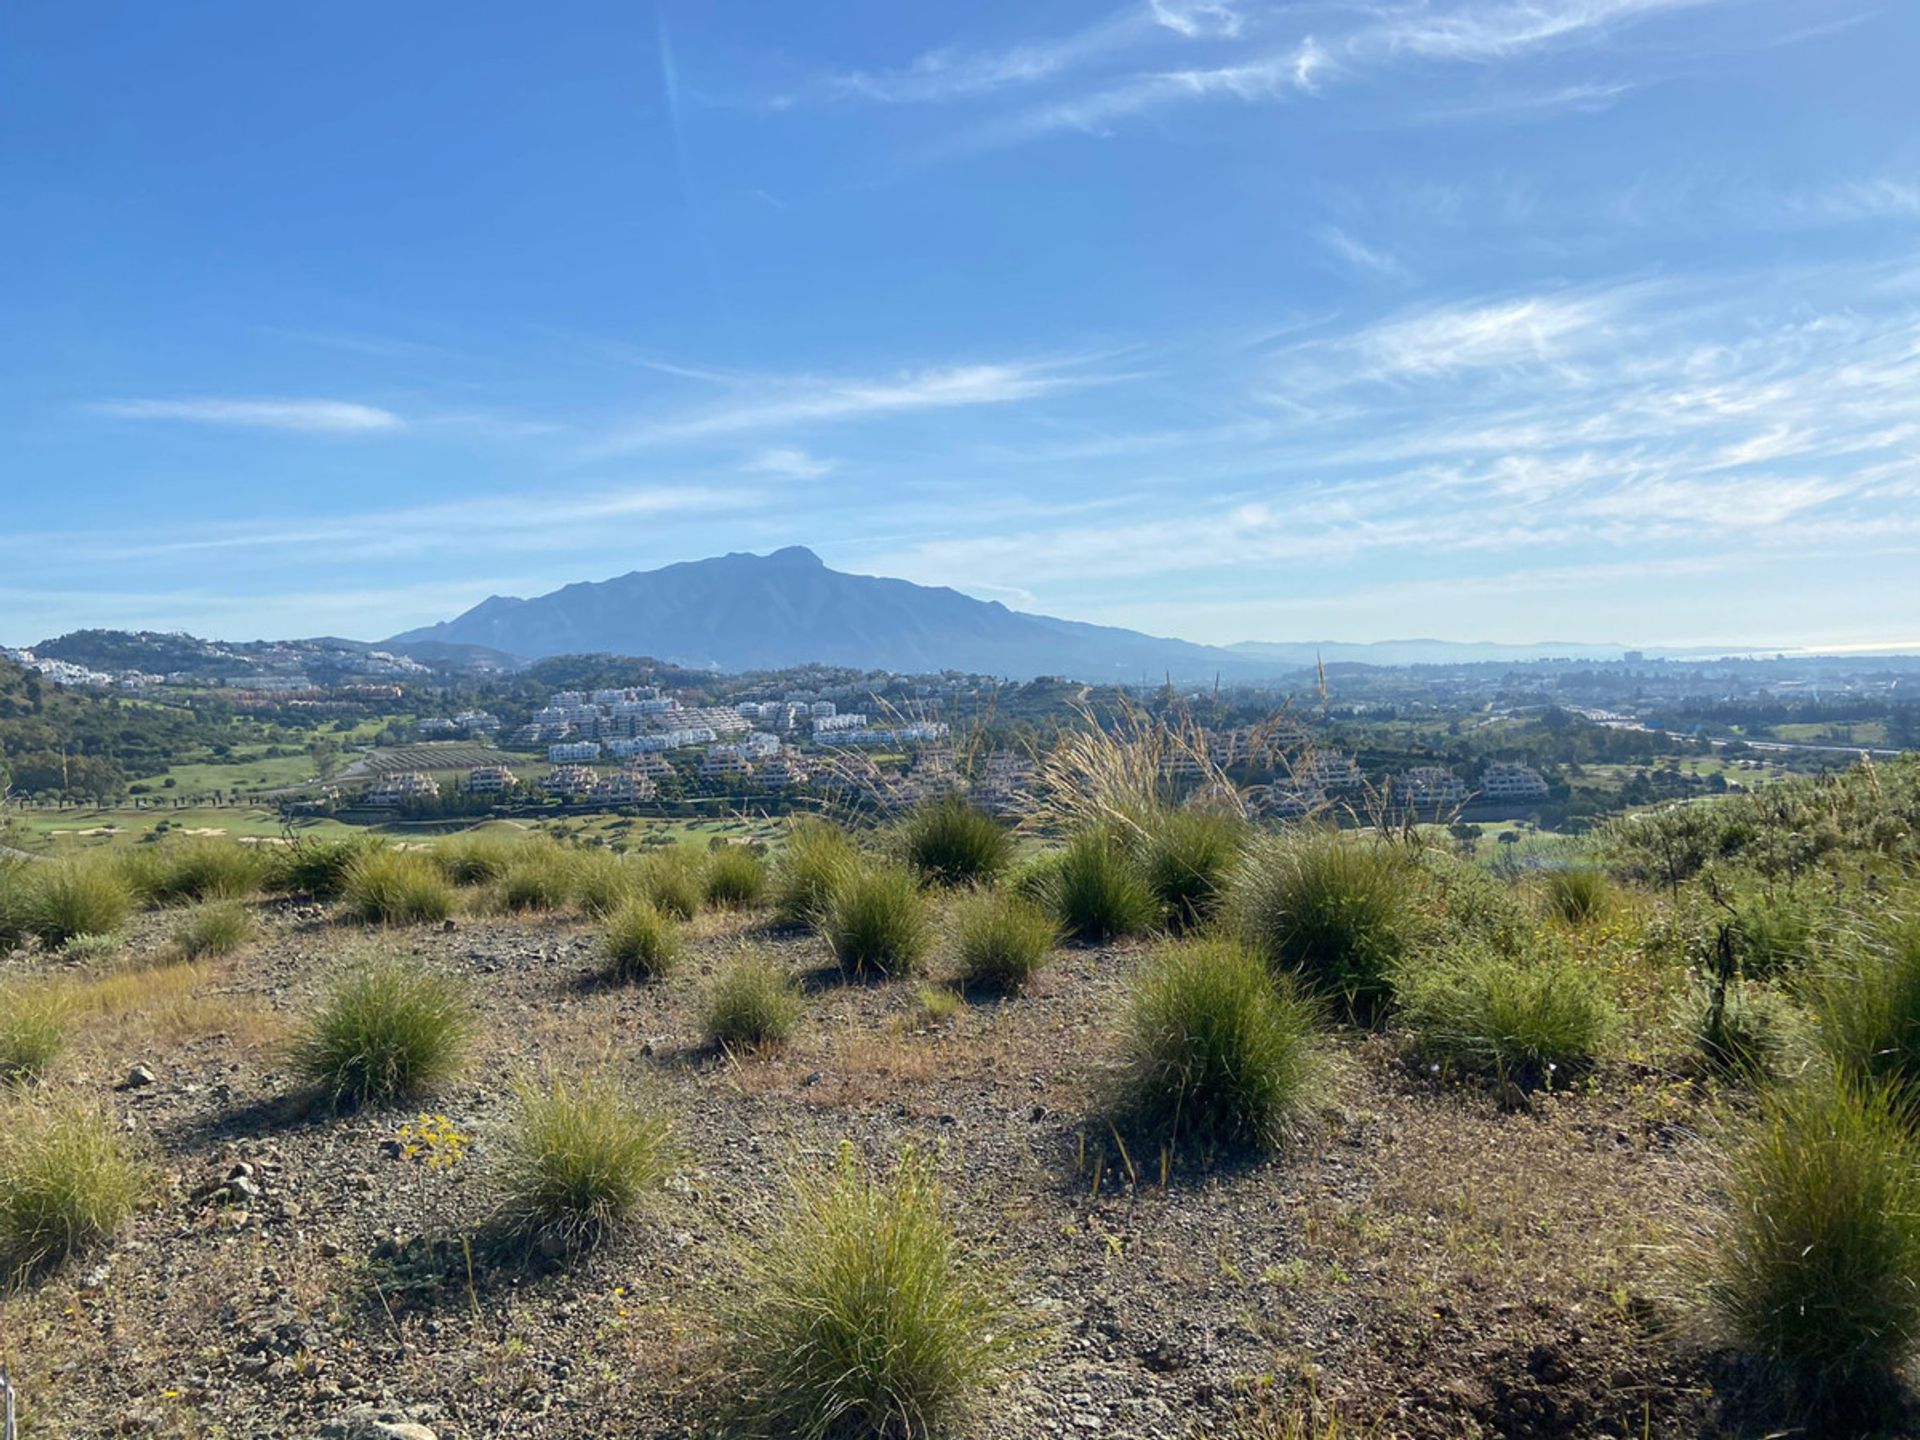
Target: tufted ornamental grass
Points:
(16, 890)
(387, 1030)
(1814, 1267)
(639, 941)
(82, 895)
(215, 927)
(33, 1031)
(674, 880)
(578, 1157)
(1536, 1018)
(1215, 1053)
(1186, 859)
(817, 858)
(185, 872)
(1747, 1032)
(396, 887)
(1577, 895)
(751, 1004)
(1096, 891)
(477, 857)
(603, 881)
(66, 1183)
(317, 868)
(1000, 939)
(1341, 912)
(949, 842)
(862, 1315)
(1868, 1005)
(540, 876)
(736, 877)
(878, 922)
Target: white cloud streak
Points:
(338, 417)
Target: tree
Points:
(326, 756)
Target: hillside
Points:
(763, 612)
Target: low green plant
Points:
(1577, 895)
(66, 1183)
(674, 880)
(878, 922)
(33, 1031)
(539, 876)
(577, 1159)
(1780, 932)
(1814, 1268)
(1214, 1052)
(396, 887)
(316, 868)
(1001, 939)
(948, 842)
(90, 949)
(387, 1030)
(16, 894)
(862, 1316)
(1339, 910)
(1187, 857)
(1096, 892)
(751, 1004)
(1536, 1017)
(84, 895)
(817, 858)
(736, 877)
(639, 941)
(214, 927)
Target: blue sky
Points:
(1478, 319)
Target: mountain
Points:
(765, 612)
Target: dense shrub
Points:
(1869, 1011)
(818, 856)
(386, 1030)
(673, 880)
(1343, 912)
(216, 927)
(183, 872)
(317, 868)
(736, 877)
(65, 1183)
(16, 894)
(861, 1316)
(639, 942)
(1779, 932)
(1000, 939)
(89, 949)
(1214, 1052)
(949, 842)
(1532, 1018)
(751, 1004)
(396, 887)
(33, 1031)
(578, 1157)
(1470, 900)
(878, 921)
(1096, 892)
(1186, 858)
(1577, 895)
(80, 896)
(1815, 1267)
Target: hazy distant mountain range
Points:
(763, 612)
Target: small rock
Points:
(241, 1190)
(138, 1078)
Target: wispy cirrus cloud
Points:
(809, 400)
(788, 462)
(338, 417)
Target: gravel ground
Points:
(1420, 1256)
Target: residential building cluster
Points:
(638, 714)
(403, 785)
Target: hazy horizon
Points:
(1474, 319)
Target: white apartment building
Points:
(491, 780)
(405, 785)
(1430, 786)
(1506, 783)
(573, 752)
(625, 788)
(570, 780)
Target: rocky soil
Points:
(1422, 1257)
